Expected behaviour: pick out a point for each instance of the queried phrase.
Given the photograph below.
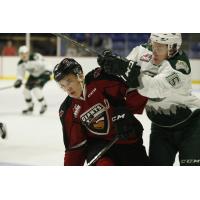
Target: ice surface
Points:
(35, 139)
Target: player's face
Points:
(24, 56)
(72, 85)
(160, 53)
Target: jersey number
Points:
(173, 79)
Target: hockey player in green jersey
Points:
(161, 71)
(35, 65)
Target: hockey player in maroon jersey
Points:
(98, 107)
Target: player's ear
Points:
(81, 77)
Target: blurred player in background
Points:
(161, 71)
(35, 65)
(98, 108)
(3, 131)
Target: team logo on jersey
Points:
(76, 110)
(146, 57)
(182, 65)
(96, 119)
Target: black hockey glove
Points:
(132, 79)
(113, 63)
(126, 125)
(118, 65)
(18, 83)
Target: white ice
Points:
(37, 140)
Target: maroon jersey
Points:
(91, 115)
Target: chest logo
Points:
(96, 119)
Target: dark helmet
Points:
(65, 67)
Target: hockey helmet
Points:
(173, 40)
(65, 67)
(23, 49)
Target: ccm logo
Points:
(118, 117)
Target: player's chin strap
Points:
(103, 151)
(81, 80)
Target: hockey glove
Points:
(133, 74)
(118, 65)
(18, 83)
(113, 63)
(126, 125)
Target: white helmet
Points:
(23, 49)
(173, 40)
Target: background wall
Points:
(8, 66)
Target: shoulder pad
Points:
(20, 62)
(100, 74)
(65, 106)
(180, 62)
(31, 56)
(34, 56)
(94, 74)
(147, 46)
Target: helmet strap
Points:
(172, 50)
(81, 80)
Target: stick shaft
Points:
(103, 151)
(86, 48)
(6, 87)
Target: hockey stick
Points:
(86, 48)
(103, 151)
(6, 87)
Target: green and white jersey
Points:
(168, 87)
(35, 66)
